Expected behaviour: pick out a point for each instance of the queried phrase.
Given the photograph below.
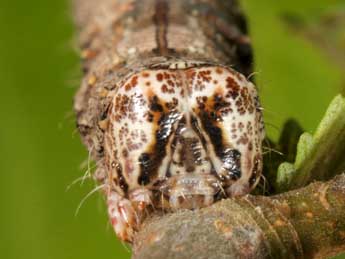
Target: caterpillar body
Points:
(165, 106)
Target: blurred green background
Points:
(41, 153)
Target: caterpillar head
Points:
(189, 135)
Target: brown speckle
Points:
(146, 74)
(309, 215)
(219, 70)
(233, 87)
(159, 77)
(164, 88)
(125, 152)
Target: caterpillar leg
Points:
(141, 199)
(126, 215)
(122, 216)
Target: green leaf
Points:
(277, 153)
(319, 156)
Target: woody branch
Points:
(305, 223)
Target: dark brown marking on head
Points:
(221, 106)
(250, 146)
(155, 105)
(159, 77)
(125, 152)
(197, 129)
(209, 118)
(216, 106)
(151, 160)
(145, 167)
(171, 105)
(133, 83)
(213, 131)
(219, 70)
(190, 153)
(232, 163)
(149, 116)
(190, 75)
(164, 88)
(120, 178)
(243, 140)
(145, 74)
(234, 88)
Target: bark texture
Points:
(305, 223)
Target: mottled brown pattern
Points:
(233, 88)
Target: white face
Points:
(188, 135)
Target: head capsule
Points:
(189, 135)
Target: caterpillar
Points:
(165, 106)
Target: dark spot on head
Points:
(219, 102)
(213, 131)
(166, 75)
(145, 166)
(164, 88)
(250, 146)
(155, 105)
(149, 116)
(125, 152)
(121, 179)
(190, 153)
(166, 122)
(219, 70)
(151, 160)
(171, 105)
(234, 88)
(159, 77)
(232, 163)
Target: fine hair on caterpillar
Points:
(87, 174)
(167, 107)
(94, 190)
